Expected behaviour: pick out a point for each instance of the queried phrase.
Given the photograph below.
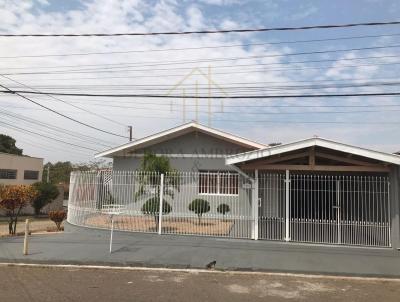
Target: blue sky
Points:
(376, 129)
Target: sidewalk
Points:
(87, 246)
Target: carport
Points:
(324, 192)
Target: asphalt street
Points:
(25, 284)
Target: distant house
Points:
(19, 169)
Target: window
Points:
(8, 174)
(218, 183)
(28, 174)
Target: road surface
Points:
(94, 285)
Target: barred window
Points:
(32, 175)
(218, 183)
(8, 174)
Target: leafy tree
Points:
(13, 198)
(150, 169)
(46, 193)
(58, 217)
(199, 206)
(152, 207)
(7, 145)
(223, 208)
(59, 172)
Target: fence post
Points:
(255, 206)
(26, 237)
(161, 204)
(287, 206)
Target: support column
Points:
(287, 206)
(161, 204)
(394, 206)
(255, 201)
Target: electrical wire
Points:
(199, 48)
(59, 113)
(220, 31)
(18, 92)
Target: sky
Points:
(203, 65)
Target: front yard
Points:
(37, 224)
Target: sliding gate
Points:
(329, 209)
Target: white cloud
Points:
(141, 16)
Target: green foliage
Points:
(47, 192)
(199, 206)
(61, 171)
(223, 208)
(154, 163)
(151, 167)
(152, 207)
(7, 145)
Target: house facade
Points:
(190, 147)
(20, 170)
(314, 191)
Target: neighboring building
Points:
(190, 147)
(20, 169)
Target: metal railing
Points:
(173, 203)
(329, 209)
(314, 208)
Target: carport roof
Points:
(315, 141)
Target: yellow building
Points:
(17, 169)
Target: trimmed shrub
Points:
(58, 217)
(152, 207)
(223, 208)
(199, 206)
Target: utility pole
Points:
(130, 133)
(197, 101)
(48, 173)
(184, 106)
(209, 96)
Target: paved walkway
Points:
(87, 246)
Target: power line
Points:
(255, 113)
(107, 69)
(220, 31)
(56, 112)
(235, 106)
(198, 48)
(54, 128)
(43, 135)
(65, 102)
(202, 97)
(227, 84)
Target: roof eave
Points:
(252, 155)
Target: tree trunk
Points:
(199, 217)
(15, 225)
(10, 227)
(157, 219)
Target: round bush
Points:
(152, 206)
(223, 208)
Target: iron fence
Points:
(315, 208)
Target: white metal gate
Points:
(329, 209)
